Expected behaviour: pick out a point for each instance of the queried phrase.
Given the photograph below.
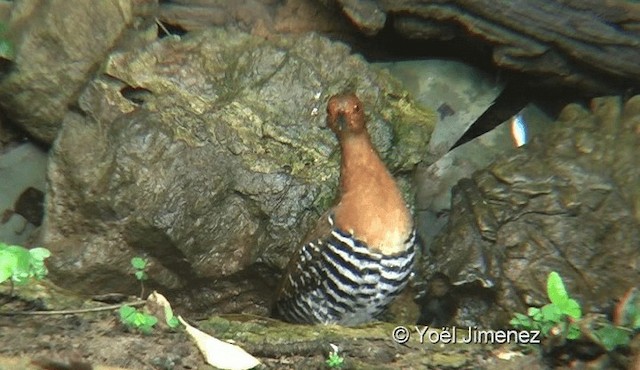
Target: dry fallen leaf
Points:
(218, 353)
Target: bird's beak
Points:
(341, 122)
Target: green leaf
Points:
(612, 336)
(133, 318)
(40, 273)
(139, 263)
(141, 275)
(22, 269)
(23, 255)
(8, 264)
(145, 322)
(138, 319)
(629, 310)
(126, 313)
(571, 307)
(535, 313)
(150, 320)
(573, 332)
(171, 320)
(555, 289)
(39, 254)
(520, 321)
(334, 360)
(551, 312)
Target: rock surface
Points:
(567, 202)
(259, 17)
(593, 45)
(590, 45)
(208, 154)
(60, 45)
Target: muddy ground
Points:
(98, 340)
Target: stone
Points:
(590, 45)
(209, 155)
(59, 45)
(566, 202)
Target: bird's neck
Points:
(371, 205)
(358, 158)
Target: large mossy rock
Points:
(208, 154)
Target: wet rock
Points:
(566, 202)
(208, 154)
(366, 14)
(259, 17)
(59, 44)
(591, 45)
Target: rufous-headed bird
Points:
(360, 255)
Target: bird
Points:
(361, 253)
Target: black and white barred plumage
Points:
(339, 280)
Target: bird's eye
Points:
(356, 108)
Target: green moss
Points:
(412, 126)
(256, 331)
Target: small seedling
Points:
(561, 313)
(136, 319)
(564, 316)
(334, 361)
(171, 320)
(140, 265)
(19, 264)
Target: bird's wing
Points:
(302, 271)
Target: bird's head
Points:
(345, 115)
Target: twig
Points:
(166, 31)
(141, 289)
(73, 311)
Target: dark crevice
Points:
(136, 95)
(166, 29)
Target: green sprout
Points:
(169, 317)
(135, 319)
(140, 266)
(563, 317)
(334, 361)
(561, 313)
(18, 264)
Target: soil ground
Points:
(98, 340)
